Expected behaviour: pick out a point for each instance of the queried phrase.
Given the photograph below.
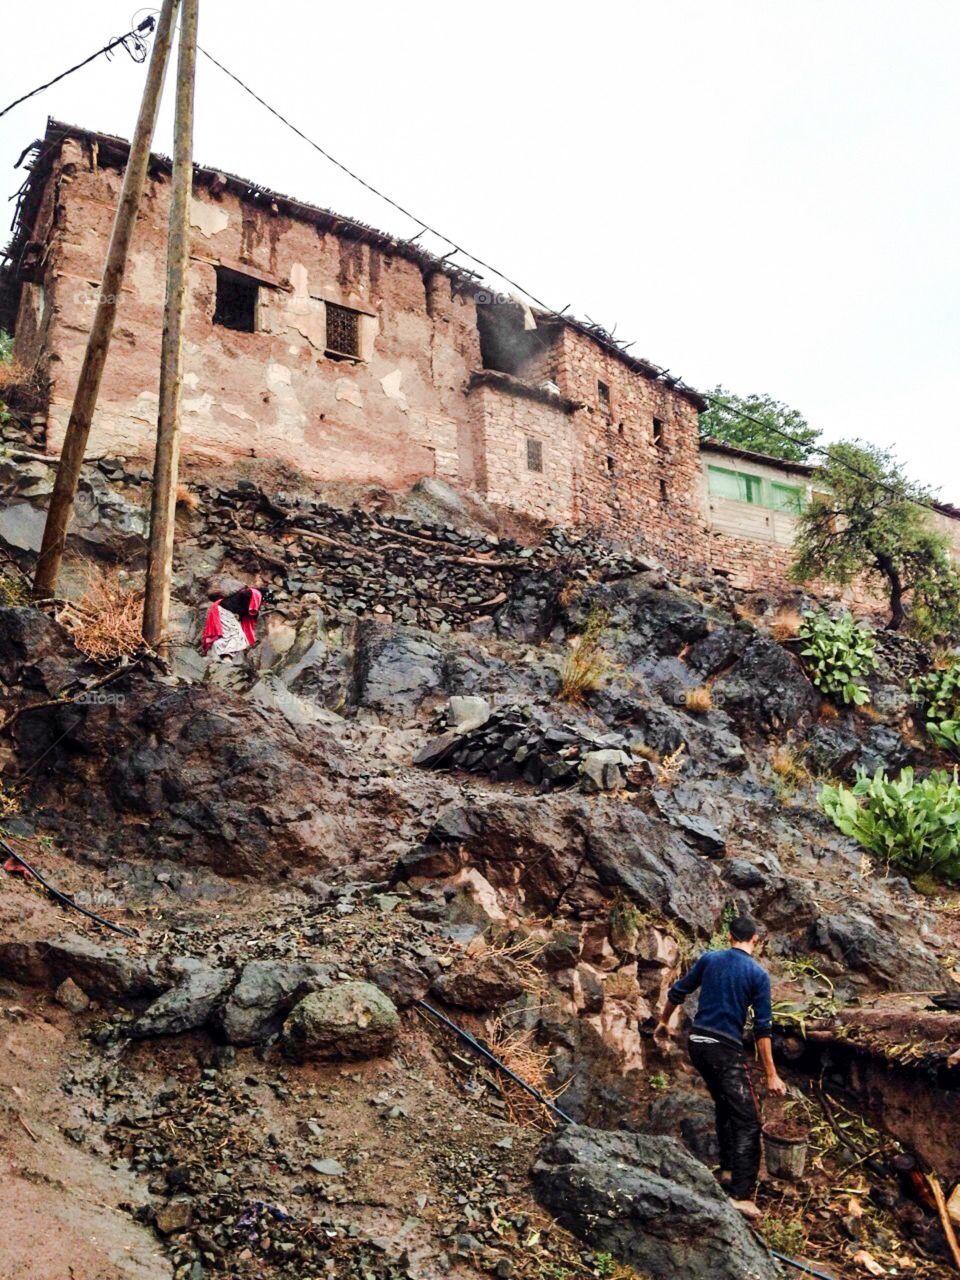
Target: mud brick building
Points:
(358, 358)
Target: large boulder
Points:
(568, 846)
(858, 944)
(482, 983)
(265, 992)
(348, 1020)
(188, 1005)
(648, 1202)
(691, 1119)
(34, 652)
(110, 974)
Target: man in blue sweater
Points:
(730, 983)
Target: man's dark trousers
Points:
(723, 1066)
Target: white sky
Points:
(757, 192)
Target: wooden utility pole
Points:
(156, 605)
(98, 343)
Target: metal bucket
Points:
(785, 1158)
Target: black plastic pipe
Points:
(62, 897)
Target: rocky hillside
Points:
(518, 776)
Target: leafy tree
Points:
(765, 434)
(866, 523)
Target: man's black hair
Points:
(743, 929)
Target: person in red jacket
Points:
(230, 625)
(730, 983)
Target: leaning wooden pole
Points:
(156, 605)
(98, 343)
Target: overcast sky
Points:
(758, 193)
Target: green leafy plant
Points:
(6, 347)
(911, 823)
(658, 1081)
(837, 654)
(938, 693)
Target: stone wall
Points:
(577, 433)
(392, 416)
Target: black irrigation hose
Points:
(474, 1043)
(800, 1266)
(62, 897)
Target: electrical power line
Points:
(137, 50)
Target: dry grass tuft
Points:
(586, 664)
(105, 623)
(785, 625)
(9, 804)
(828, 711)
(13, 374)
(791, 773)
(187, 498)
(700, 699)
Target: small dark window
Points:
(620, 429)
(603, 395)
(611, 463)
(236, 306)
(343, 331)
(534, 454)
(664, 495)
(658, 439)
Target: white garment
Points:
(233, 639)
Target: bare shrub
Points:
(519, 1051)
(670, 767)
(791, 773)
(105, 623)
(13, 374)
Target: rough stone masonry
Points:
(316, 343)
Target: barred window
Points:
(534, 454)
(343, 331)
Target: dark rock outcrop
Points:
(396, 670)
(109, 974)
(188, 1005)
(858, 944)
(648, 1202)
(766, 690)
